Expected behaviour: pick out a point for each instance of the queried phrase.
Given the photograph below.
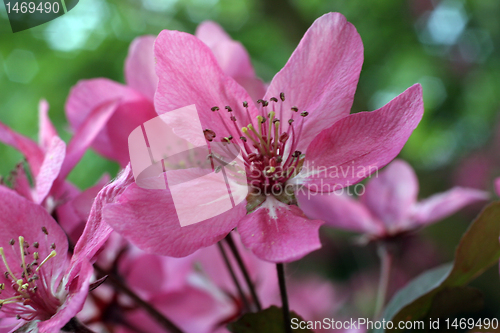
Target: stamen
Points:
(276, 130)
(50, 256)
(282, 96)
(23, 262)
(45, 231)
(295, 109)
(271, 117)
(6, 265)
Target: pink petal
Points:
(321, 75)
(361, 143)
(73, 214)
(47, 130)
(97, 230)
(86, 133)
(189, 74)
(78, 289)
(153, 213)
(497, 186)
(34, 154)
(232, 57)
(442, 205)
(132, 111)
(50, 169)
(391, 194)
(21, 217)
(277, 232)
(20, 182)
(140, 66)
(338, 210)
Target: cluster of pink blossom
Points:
(114, 258)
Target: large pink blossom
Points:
(135, 98)
(42, 286)
(388, 206)
(302, 120)
(36, 289)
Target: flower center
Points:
(268, 146)
(27, 294)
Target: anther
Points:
(35, 244)
(282, 96)
(283, 137)
(304, 114)
(36, 256)
(45, 231)
(53, 246)
(260, 101)
(243, 139)
(296, 153)
(215, 108)
(294, 108)
(233, 118)
(245, 104)
(290, 121)
(273, 99)
(265, 103)
(209, 134)
(228, 108)
(12, 242)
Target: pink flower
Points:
(389, 205)
(50, 161)
(135, 98)
(302, 120)
(40, 287)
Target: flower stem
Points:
(284, 298)
(244, 270)
(385, 274)
(155, 314)
(233, 276)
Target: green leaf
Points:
(478, 249)
(269, 320)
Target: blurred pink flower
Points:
(135, 99)
(198, 294)
(389, 205)
(320, 77)
(50, 161)
(497, 186)
(41, 287)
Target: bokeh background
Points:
(451, 47)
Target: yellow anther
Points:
(6, 265)
(2, 286)
(36, 255)
(271, 169)
(50, 256)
